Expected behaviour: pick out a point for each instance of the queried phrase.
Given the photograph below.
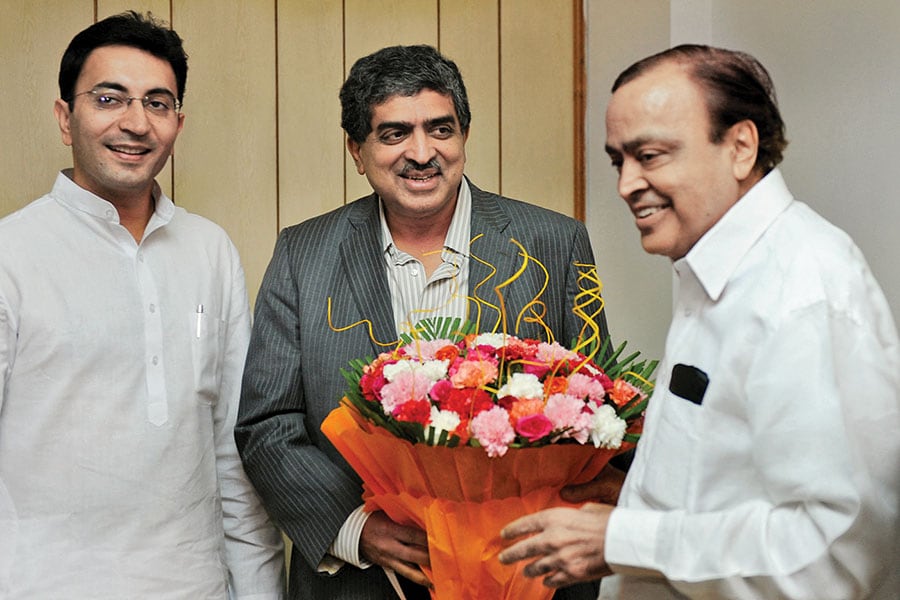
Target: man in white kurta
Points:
(124, 325)
(769, 464)
(120, 366)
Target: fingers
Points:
(395, 546)
(567, 544)
(604, 488)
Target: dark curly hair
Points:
(403, 71)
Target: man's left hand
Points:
(567, 543)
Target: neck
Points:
(134, 215)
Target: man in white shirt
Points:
(770, 458)
(124, 324)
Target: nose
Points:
(134, 118)
(419, 148)
(631, 178)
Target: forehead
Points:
(425, 105)
(129, 67)
(664, 98)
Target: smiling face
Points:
(414, 156)
(117, 154)
(676, 182)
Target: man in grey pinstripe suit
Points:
(384, 258)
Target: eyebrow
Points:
(632, 146)
(112, 85)
(406, 125)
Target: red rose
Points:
(533, 427)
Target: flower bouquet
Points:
(459, 433)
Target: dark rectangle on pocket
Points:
(689, 383)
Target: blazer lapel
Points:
(361, 256)
(494, 259)
(495, 248)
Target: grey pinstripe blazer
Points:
(292, 378)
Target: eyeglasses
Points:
(160, 104)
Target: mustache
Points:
(412, 165)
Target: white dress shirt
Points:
(120, 368)
(782, 482)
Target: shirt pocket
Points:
(670, 468)
(207, 348)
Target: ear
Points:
(178, 132)
(743, 137)
(354, 147)
(63, 115)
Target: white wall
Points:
(637, 286)
(836, 68)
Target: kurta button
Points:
(155, 360)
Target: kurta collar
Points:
(716, 256)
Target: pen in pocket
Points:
(199, 319)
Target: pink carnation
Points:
(567, 412)
(583, 386)
(425, 349)
(492, 430)
(474, 373)
(406, 386)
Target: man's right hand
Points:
(396, 547)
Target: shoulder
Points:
(24, 228)
(521, 215)
(334, 225)
(827, 268)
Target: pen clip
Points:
(199, 319)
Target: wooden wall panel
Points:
(33, 36)
(536, 75)
(310, 138)
(262, 146)
(469, 35)
(225, 159)
(369, 26)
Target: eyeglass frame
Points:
(120, 95)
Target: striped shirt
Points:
(444, 293)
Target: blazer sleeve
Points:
(306, 493)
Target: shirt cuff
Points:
(631, 545)
(345, 547)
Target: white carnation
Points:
(607, 429)
(524, 386)
(494, 340)
(442, 420)
(432, 369)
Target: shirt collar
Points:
(457, 238)
(716, 255)
(72, 195)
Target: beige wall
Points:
(262, 146)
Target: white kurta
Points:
(120, 368)
(783, 481)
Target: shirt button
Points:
(155, 360)
(152, 308)
(414, 272)
(141, 256)
(110, 213)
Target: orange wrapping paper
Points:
(462, 499)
